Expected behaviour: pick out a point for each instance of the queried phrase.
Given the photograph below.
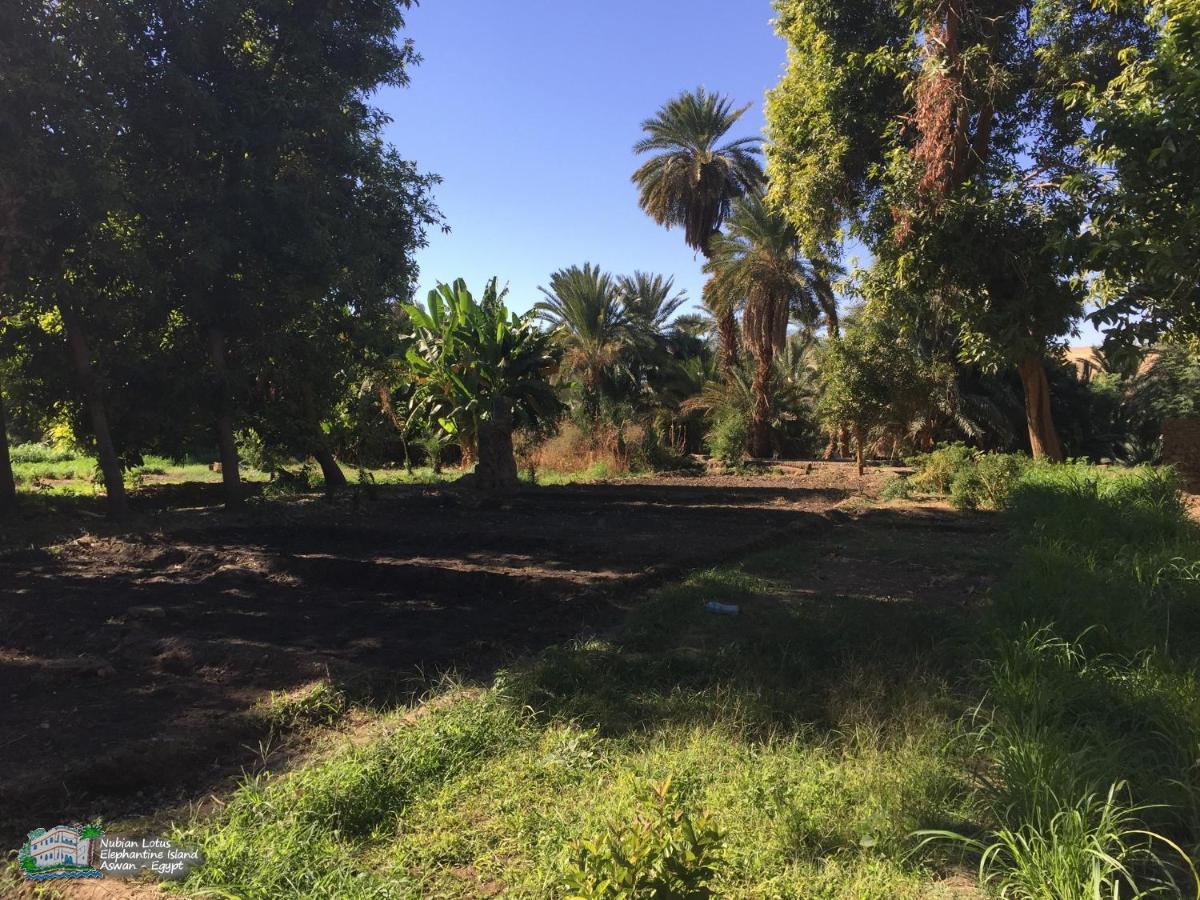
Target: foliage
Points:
(970, 478)
(40, 453)
(650, 302)
(757, 265)
(590, 320)
(938, 132)
(209, 224)
(793, 398)
(1145, 145)
(828, 118)
(1091, 742)
(466, 356)
(692, 179)
(664, 852)
(728, 437)
(869, 377)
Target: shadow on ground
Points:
(835, 627)
(130, 662)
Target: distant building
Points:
(1086, 361)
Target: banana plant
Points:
(478, 369)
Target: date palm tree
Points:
(651, 301)
(758, 266)
(694, 175)
(585, 307)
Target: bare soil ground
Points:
(131, 661)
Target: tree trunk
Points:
(1043, 439)
(8, 484)
(843, 442)
(727, 327)
(225, 439)
(860, 453)
(496, 471)
(727, 340)
(335, 478)
(760, 420)
(110, 463)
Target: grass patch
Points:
(799, 759)
(828, 745)
(1088, 746)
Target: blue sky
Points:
(529, 111)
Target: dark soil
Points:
(131, 661)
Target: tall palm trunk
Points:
(226, 442)
(8, 484)
(760, 419)
(727, 341)
(1043, 438)
(727, 327)
(110, 463)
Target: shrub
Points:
(936, 471)
(987, 480)
(576, 448)
(663, 852)
(970, 478)
(727, 439)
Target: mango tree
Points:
(479, 371)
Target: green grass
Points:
(813, 763)
(52, 472)
(1089, 738)
(817, 746)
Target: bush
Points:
(664, 852)
(971, 479)
(987, 480)
(727, 439)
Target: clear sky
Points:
(529, 110)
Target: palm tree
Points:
(693, 178)
(650, 301)
(758, 265)
(584, 306)
(822, 272)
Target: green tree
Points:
(584, 307)
(8, 484)
(938, 134)
(1143, 195)
(63, 98)
(650, 301)
(255, 130)
(347, 322)
(480, 371)
(759, 261)
(695, 174)
(862, 373)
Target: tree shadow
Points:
(132, 661)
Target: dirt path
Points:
(129, 664)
